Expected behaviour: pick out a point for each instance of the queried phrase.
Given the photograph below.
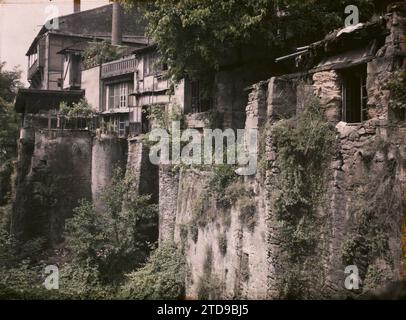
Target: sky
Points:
(20, 21)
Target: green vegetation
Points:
(97, 53)
(161, 278)
(215, 199)
(159, 117)
(9, 130)
(396, 85)
(82, 109)
(195, 37)
(223, 176)
(248, 216)
(106, 254)
(377, 197)
(304, 145)
(209, 286)
(117, 240)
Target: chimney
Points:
(117, 32)
(76, 6)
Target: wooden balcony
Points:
(119, 67)
(33, 69)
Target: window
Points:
(355, 97)
(118, 95)
(76, 72)
(152, 65)
(122, 126)
(199, 103)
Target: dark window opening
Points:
(152, 65)
(355, 96)
(199, 103)
(76, 71)
(145, 123)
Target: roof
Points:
(75, 48)
(334, 49)
(147, 48)
(96, 23)
(33, 100)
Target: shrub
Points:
(223, 176)
(81, 280)
(118, 239)
(233, 192)
(163, 277)
(209, 288)
(396, 84)
(100, 52)
(80, 109)
(304, 145)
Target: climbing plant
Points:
(304, 145)
(78, 109)
(97, 53)
(377, 200)
(397, 86)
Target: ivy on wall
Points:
(304, 145)
(373, 209)
(397, 86)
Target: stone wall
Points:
(363, 201)
(54, 174)
(108, 154)
(145, 173)
(233, 250)
(168, 199)
(360, 217)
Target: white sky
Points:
(20, 21)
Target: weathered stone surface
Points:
(327, 86)
(168, 198)
(281, 99)
(53, 176)
(108, 154)
(243, 247)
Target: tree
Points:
(195, 37)
(119, 238)
(162, 277)
(9, 128)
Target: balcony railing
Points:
(119, 67)
(33, 69)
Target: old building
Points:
(260, 249)
(249, 247)
(45, 65)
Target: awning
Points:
(348, 59)
(33, 100)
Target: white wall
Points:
(91, 85)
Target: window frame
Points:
(348, 75)
(118, 95)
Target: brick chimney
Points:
(117, 31)
(76, 6)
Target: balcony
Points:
(119, 67)
(33, 69)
